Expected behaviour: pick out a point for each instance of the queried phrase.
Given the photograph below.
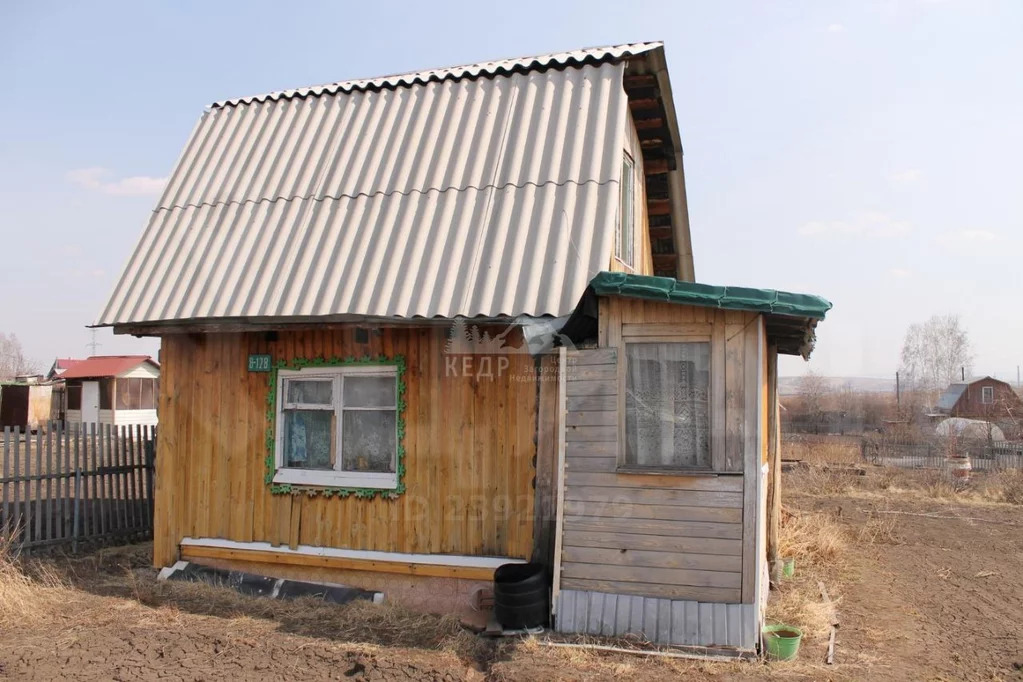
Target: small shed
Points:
(112, 389)
(25, 405)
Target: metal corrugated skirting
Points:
(490, 197)
(658, 620)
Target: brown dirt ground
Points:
(919, 598)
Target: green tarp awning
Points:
(729, 298)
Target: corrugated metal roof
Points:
(105, 366)
(463, 196)
(466, 71)
(951, 396)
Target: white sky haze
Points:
(869, 151)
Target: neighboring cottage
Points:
(986, 399)
(981, 398)
(350, 282)
(112, 389)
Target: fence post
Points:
(6, 474)
(74, 522)
(150, 451)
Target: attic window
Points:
(987, 395)
(337, 426)
(625, 232)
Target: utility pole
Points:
(898, 399)
(94, 344)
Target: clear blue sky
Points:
(870, 152)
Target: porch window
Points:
(337, 426)
(667, 405)
(624, 235)
(987, 395)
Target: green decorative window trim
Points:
(398, 362)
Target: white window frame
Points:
(622, 465)
(625, 234)
(987, 395)
(336, 477)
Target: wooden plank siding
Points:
(667, 536)
(471, 442)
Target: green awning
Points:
(729, 298)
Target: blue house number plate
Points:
(259, 363)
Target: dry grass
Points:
(823, 480)
(822, 449)
(1006, 486)
(817, 542)
(879, 530)
(100, 590)
(27, 596)
(812, 539)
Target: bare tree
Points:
(12, 358)
(934, 352)
(812, 388)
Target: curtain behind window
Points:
(667, 405)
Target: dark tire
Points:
(521, 596)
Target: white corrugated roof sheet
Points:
(487, 190)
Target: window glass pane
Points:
(667, 406)
(626, 210)
(307, 439)
(309, 391)
(368, 440)
(364, 391)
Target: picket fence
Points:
(76, 485)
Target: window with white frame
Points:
(987, 395)
(337, 426)
(624, 234)
(667, 405)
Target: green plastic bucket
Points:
(782, 641)
(788, 568)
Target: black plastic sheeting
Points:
(264, 586)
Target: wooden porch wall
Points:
(470, 446)
(690, 537)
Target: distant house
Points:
(981, 398)
(112, 389)
(60, 365)
(348, 281)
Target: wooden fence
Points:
(75, 485)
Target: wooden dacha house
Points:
(417, 327)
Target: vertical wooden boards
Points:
(6, 472)
(773, 458)
(735, 390)
(751, 447)
(559, 530)
(549, 419)
(471, 435)
(718, 409)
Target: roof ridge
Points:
(489, 68)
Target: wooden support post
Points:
(560, 476)
(774, 465)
